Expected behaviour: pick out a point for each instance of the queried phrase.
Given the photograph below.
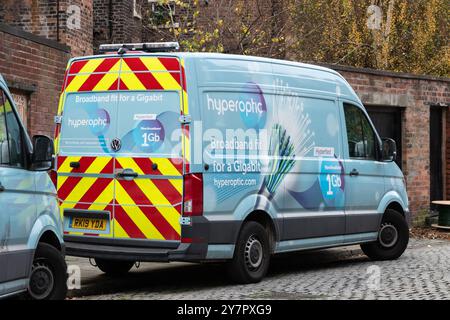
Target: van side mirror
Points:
(389, 150)
(43, 150)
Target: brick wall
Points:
(44, 18)
(81, 39)
(37, 17)
(114, 22)
(415, 94)
(34, 67)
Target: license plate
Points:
(89, 224)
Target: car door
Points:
(364, 174)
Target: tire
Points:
(114, 268)
(244, 269)
(389, 245)
(48, 278)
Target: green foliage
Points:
(413, 35)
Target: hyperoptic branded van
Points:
(165, 156)
(31, 234)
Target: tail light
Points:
(193, 195)
(53, 176)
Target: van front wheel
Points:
(251, 256)
(114, 268)
(48, 278)
(393, 238)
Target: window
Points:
(361, 137)
(21, 100)
(137, 9)
(11, 142)
(4, 148)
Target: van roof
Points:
(204, 55)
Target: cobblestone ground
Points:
(423, 272)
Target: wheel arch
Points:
(46, 230)
(393, 200)
(49, 237)
(394, 205)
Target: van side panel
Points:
(233, 180)
(272, 142)
(315, 186)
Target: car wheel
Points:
(114, 268)
(251, 256)
(393, 238)
(48, 278)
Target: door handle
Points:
(75, 164)
(127, 173)
(354, 173)
(2, 188)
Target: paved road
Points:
(423, 272)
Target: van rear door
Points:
(120, 151)
(85, 165)
(149, 162)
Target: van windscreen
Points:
(141, 122)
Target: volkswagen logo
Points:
(116, 144)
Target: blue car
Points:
(31, 237)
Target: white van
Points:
(166, 156)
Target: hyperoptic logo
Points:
(222, 106)
(97, 121)
(93, 123)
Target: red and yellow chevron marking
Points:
(142, 208)
(85, 190)
(149, 208)
(86, 193)
(93, 75)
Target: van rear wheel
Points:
(251, 256)
(114, 268)
(393, 238)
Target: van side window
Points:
(361, 138)
(4, 147)
(13, 143)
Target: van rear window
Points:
(144, 123)
(148, 123)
